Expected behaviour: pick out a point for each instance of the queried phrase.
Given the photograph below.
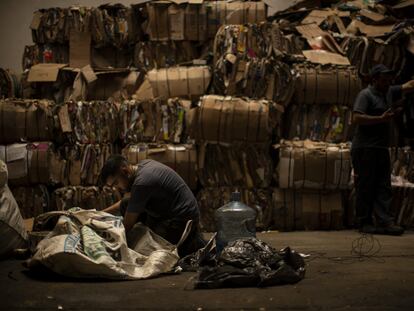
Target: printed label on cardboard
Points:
(16, 152)
(44, 72)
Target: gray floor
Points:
(333, 282)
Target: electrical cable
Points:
(365, 247)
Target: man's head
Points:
(382, 77)
(117, 173)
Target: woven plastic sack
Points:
(12, 231)
(92, 244)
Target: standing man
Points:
(374, 109)
(158, 196)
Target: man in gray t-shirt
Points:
(374, 108)
(159, 197)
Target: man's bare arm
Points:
(408, 87)
(130, 219)
(364, 119)
(113, 208)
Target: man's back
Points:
(162, 193)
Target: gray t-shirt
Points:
(372, 102)
(161, 193)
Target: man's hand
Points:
(387, 115)
(364, 119)
(408, 86)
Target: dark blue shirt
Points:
(161, 193)
(374, 103)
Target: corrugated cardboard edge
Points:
(324, 57)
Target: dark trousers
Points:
(172, 230)
(372, 169)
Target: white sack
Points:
(12, 231)
(92, 244)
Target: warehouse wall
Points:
(16, 15)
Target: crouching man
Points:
(159, 198)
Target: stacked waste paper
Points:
(228, 96)
(82, 53)
(246, 62)
(47, 145)
(10, 85)
(312, 176)
(59, 32)
(154, 120)
(170, 21)
(343, 41)
(85, 197)
(32, 161)
(156, 124)
(359, 33)
(234, 128)
(402, 160)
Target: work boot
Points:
(368, 228)
(390, 229)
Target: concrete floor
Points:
(334, 281)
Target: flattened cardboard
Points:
(179, 81)
(324, 57)
(145, 91)
(195, 22)
(158, 22)
(64, 119)
(403, 4)
(230, 119)
(187, 1)
(282, 5)
(37, 18)
(338, 21)
(89, 74)
(358, 3)
(322, 86)
(198, 20)
(16, 152)
(317, 17)
(44, 72)
(310, 31)
(79, 91)
(314, 165)
(373, 31)
(79, 49)
(316, 37)
(176, 17)
(376, 17)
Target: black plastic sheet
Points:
(251, 262)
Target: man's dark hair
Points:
(112, 167)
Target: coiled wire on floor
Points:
(365, 247)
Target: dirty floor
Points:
(334, 281)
